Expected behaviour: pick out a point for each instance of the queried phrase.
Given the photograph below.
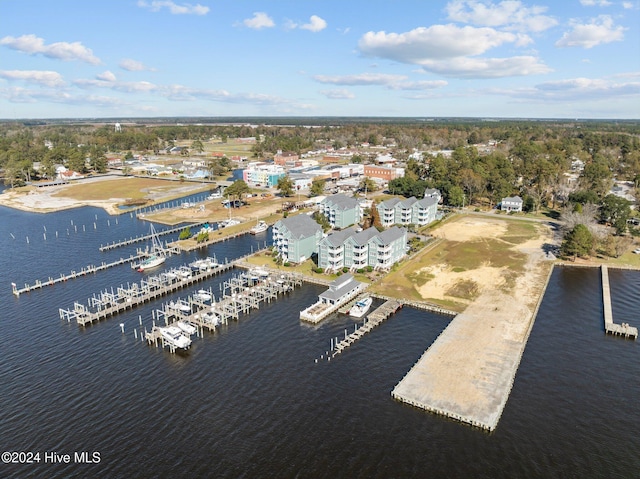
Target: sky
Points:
(398, 58)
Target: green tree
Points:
(285, 185)
(456, 196)
(616, 211)
(317, 187)
(237, 189)
(578, 242)
(197, 146)
(367, 184)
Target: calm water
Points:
(252, 402)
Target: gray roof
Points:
(341, 286)
(363, 237)
(408, 203)
(389, 204)
(341, 201)
(429, 192)
(514, 199)
(300, 226)
(427, 201)
(392, 234)
(339, 237)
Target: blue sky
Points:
(425, 58)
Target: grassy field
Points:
(463, 262)
(130, 189)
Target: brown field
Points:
(471, 255)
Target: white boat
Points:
(259, 228)
(156, 256)
(180, 306)
(151, 262)
(186, 328)
(173, 335)
(211, 318)
(202, 295)
(360, 308)
(229, 222)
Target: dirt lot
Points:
(472, 255)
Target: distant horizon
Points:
(533, 59)
(229, 118)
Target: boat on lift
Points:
(174, 336)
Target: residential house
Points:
(358, 249)
(341, 210)
(511, 203)
(408, 211)
(296, 237)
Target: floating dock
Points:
(623, 329)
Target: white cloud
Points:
(259, 21)
(591, 3)
(40, 77)
(127, 87)
(511, 14)
(315, 24)
(435, 42)
(33, 45)
(106, 76)
(600, 30)
(134, 65)
(392, 82)
(627, 5)
(466, 67)
(174, 9)
(453, 51)
(338, 94)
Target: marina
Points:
(240, 295)
(108, 303)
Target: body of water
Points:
(251, 401)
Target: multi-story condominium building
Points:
(357, 250)
(263, 174)
(341, 210)
(409, 211)
(296, 238)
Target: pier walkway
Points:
(371, 321)
(146, 237)
(75, 274)
(623, 329)
(109, 303)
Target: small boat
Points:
(180, 306)
(211, 318)
(360, 308)
(187, 328)
(151, 262)
(229, 222)
(156, 256)
(174, 336)
(202, 295)
(260, 227)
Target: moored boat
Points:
(361, 307)
(260, 227)
(174, 336)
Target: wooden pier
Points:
(371, 321)
(146, 237)
(239, 297)
(75, 274)
(109, 303)
(623, 329)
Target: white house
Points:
(511, 203)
